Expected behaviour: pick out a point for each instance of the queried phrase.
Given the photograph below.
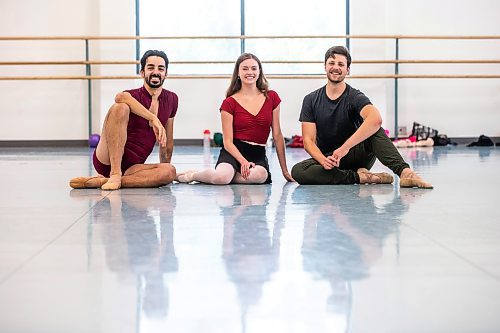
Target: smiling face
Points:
(336, 68)
(154, 72)
(249, 71)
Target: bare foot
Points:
(367, 177)
(88, 182)
(186, 176)
(409, 178)
(114, 183)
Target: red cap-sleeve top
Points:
(248, 127)
(141, 138)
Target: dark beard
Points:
(335, 81)
(154, 85)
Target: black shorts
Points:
(253, 153)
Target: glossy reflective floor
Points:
(267, 258)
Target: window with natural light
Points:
(222, 18)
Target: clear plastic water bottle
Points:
(206, 148)
(206, 139)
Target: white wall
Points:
(57, 110)
(457, 107)
(46, 110)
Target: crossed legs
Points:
(110, 151)
(361, 158)
(138, 175)
(310, 172)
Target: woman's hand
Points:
(245, 169)
(288, 177)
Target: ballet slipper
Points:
(425, 143)
(401, 144)
(114, 183)
(87, 182)
(186, 176)
(413, 180)
(376, 177)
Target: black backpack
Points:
(483, 141)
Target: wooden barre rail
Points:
(271, 76)
(88, 63)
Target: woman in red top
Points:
(248, 115)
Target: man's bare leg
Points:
(148, 175)
(112, 143)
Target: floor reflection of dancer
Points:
(341, 243)
(250, 251)
(138, 238)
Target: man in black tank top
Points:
(342, 132)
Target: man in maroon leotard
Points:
(138, 119)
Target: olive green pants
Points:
(363, 155)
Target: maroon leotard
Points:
(248, 127)
(141, 138)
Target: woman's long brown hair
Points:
(235, 84)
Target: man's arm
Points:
(372, 120)
(309, 138)
(166, 151)
(141, 111)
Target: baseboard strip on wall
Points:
(177, 142)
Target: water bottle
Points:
(206, 148)
(206, 139)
